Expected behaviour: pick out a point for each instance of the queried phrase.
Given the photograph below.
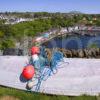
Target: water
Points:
(74, 42)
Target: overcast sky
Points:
(85, 6)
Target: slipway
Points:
(78, 77)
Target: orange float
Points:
(28, 72)
(35, 50)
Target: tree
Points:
(1, 34)
(8, 43)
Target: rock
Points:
(59, 49)
(80, 53)
(97, 51)
(68, 53)
(74, 53)
(64, 52)
(87, 53)
(49, 53)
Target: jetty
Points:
(78, 77)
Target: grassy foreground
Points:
(13, 94)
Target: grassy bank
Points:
(22, 95)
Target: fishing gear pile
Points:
(40, 68)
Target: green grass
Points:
(93, 45)
(23, 95)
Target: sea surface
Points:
(74, 42)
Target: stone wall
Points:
(81, 53)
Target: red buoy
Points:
(35, 50)
(28, 72)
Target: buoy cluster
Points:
(29, 71)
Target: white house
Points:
(76, 28)
(70, 29)
(63, 30)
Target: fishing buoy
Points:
(28, 72)
(35, 57)
(35, 50)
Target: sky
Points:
(84, 6)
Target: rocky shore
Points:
(81, 53)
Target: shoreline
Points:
(80, 53)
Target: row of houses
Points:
(67, 30)
(79, 28)
(17, 20)
(13, 19)
(54, 32)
